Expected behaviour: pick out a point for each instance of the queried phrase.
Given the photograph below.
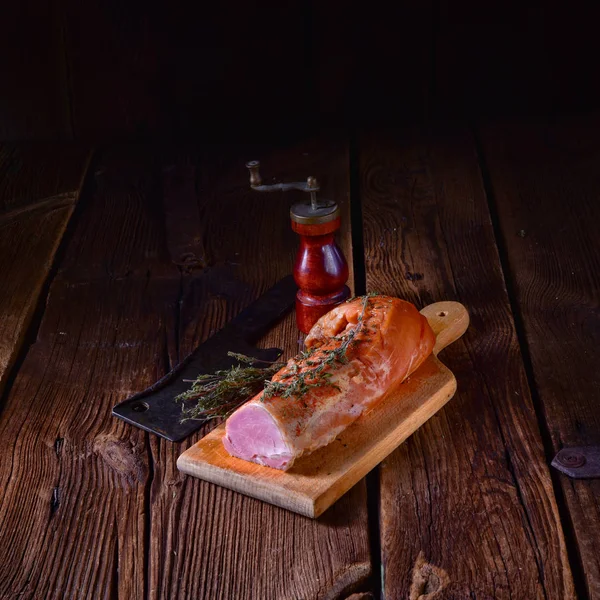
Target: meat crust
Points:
(356, 354)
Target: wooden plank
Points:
(39, 186)
(106, 516)
(35, 172)
(545, 180)
(467, 507)
(73, 480)
(34, 103)
(206, 541)
(318, 480)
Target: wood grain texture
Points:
(467, 508)
(206, 541)
(318, 480)
(39, 186)
(39, 173)
(74, 480)
(545, 179)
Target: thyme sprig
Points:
(319, 372)
(220, 393)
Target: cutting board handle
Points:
(449, 320)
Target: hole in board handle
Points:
(140, 407)
(443, 313)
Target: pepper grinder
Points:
(320, 269)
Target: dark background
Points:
(122, 69)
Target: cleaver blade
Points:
(155, 409)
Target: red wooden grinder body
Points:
(320, 270)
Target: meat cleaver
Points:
(155, 409)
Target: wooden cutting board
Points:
(316, 481)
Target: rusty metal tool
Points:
(155, 408)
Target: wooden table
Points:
(115, 263)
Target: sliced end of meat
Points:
(252, 434)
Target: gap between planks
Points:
(574, 557)
(70, 199)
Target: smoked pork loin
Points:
(356, 354)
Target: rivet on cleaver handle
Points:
(155, 409)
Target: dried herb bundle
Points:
(219, 394)
(317, 375)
